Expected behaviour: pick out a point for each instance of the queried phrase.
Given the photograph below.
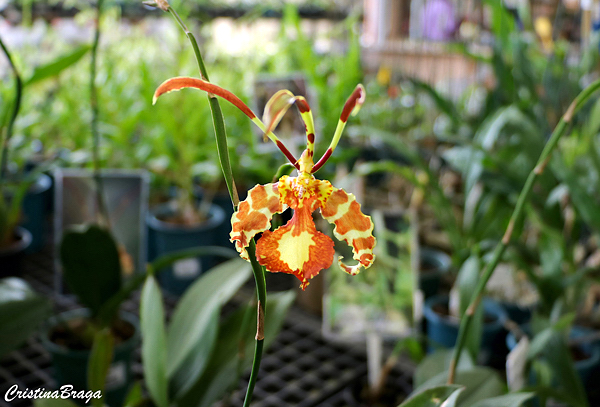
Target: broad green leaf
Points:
(99, 363)
(154, 342)
(195, 310)
(22, 311)
(57, 66)
(225, 367)
(439, 396)
(439, 362)
(91, 265)
(193, 366)
(507, 400)
(480, 383)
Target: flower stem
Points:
(102, 211)
(261, 290)
(257, 269)
(559, 131)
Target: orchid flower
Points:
(296, 248)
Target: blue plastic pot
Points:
(11, 256)
(35, 205)
(588, 368)
(442, 330)
(165, 237)
(70, 366)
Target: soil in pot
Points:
(359, 395)
(73, 334)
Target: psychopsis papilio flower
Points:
(296, 248)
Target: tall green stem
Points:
(103, 213)
(261, 291)
(15, 112)
(538, 170)
(259, 273)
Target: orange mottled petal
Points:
(351, 226)
(296, 248)
(254, 215)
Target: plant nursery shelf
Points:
(299, 369)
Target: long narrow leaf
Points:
(154, 343)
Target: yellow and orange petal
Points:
(351, 226)
(254, 215)
(296, 248)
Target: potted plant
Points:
(92, 270)
(22, 195)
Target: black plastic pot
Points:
(11, 256)
(35, 206)
(434, 265)
(70, 366)
(442, 330)
(165, 237)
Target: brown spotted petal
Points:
(351, 226)
(254, 215)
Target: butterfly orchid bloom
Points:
(296, 248)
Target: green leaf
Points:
(193, 366)
(434, 397)
(22, 311)
(54, 403)
(439, 362)
(168, 259)
(135, 396)
(91, 265)
(558, 356)
(57, 66)
(110, 308)
(480, 383)
(99, 363)
(154, 342)
(194, 311)
(225, 366)
(466, 281)
(507, 400)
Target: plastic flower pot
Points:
(223, 201)
(442, 329)
(165, 237)
(434, 265)
(35, 206)
(11, 256)
(586, 355)
(70, 365)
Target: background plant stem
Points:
(257, 269)
(538, 170)
(13, 116)
(102, 212)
